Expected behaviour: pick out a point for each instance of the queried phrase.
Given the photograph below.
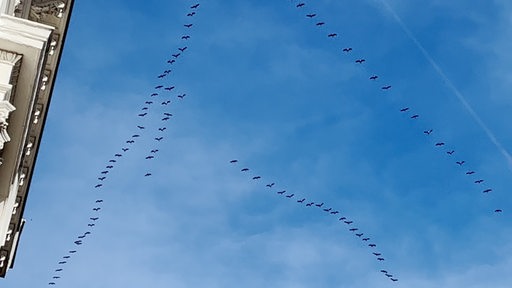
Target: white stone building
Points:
(31, 39)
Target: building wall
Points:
(31, 39)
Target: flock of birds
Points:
(324, 208)
(406, 110)
(161, 96)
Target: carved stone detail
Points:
(40, 8)
(9, 57)
(5, 109)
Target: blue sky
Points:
(266, 86)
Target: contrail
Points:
(450, 85)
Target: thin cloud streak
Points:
(451, 86)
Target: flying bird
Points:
(440, 144)
(166, 102)
(394, 279)
(72, 251)
(301, 5)
(58, 270)
(51, 283)
(78, 242)
(91, 224)
(118, 155)
(310, 204)
(319, 205)
(270, 185)
(245, 169)
(154, 151)
(428, 132)
(327, 209)
(353, 229)
(380, 259)
(96, 209)
(104, 172)
(66, 257)
(99, 201)
(281, 192)
(479, 181)
(182, 49)
(374, 77)
(347, 49)
(169, 88)
(233, 161)
(386, 87)
(360, 61)
(162, 128)
(167, 114)
(102, 178)
(94, 218)
(332, 35)
(150, 157)
(159, 87)
(162, 75)
(176, 55)
(372, 245)
(320, 23)
(450, 152)
(404, 109)
(188, 25)
(159, 138)
(149, 102)
(301, 200)
(388, 275)
(170, 61)
(415, 116)
(154, 94)
(335, 212)
(366, 239)
(470, 172)
(349, 222)
(487, 190)
(256, 177)
(143, 114)
(290, 196)
(383, 271)
(182, 96)
(140, 127)
(98, 186)
(194, 6)
(125, 149)
(147, 174)
(191, 14)
(165, 118)
(359, 234)
(460, 162)
(498, 210)
(56, 277)
(376, 254)
(185, 37)
(109, 167)
(130, 141)
(310, 15)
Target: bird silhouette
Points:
(376, 254)
(487, 190)
(104, 172)
(310, 15)
(353, 229)
(470, 172)
(56, 277)
(335, 212)
(256, 177)
(167, 71)
(66, 257)
(72, 251)
(130, 141)
(372, 245)
(159, 138)
(154, 151)
(143, 114)
(166, 102)
(140, 127)
(404, 109)
(162, 129)
(188, 25)
(440, 144)
(51, 283)
(169, 88)
(245, 169)
(162, 75)
(300, 5)
(182, 96)
(125, 149)
(380, 259)
(233, 161)
(149, 102)
(386, 87)
(102, 178)
(450, 152)
(149, 157)
(147, 174)
(182, 49)
(58, 270)
(185, 37)
(347, 49)
(270, 185)
(155, 94)
(191, 14)
(359, 234)
(310, 204)
(167, 114)
(415, 116)
(374, 77)
(498, 210)
(94, 218)
(320, 23)
(383, 271)
(366, 239)
(290, 196)
(194, 6)
(342, 218)
(171, 61)
(109, 167)
(348, 222)
(159, 87)
(96, 209)
(428, 132)
(460, 162)
(281, 192)
(301, 200)
(99, 201)
(394, 279)
(118, 155)
(91, 224)
(319, 205)
(98, 186)
(165, 118)
(78, 242)
(327, 209)
(176, 55)
(332, 35)
(388, 275)
(479, 181)
(360, 61)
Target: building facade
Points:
(32, 34)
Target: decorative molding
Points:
(5, 109)
(41, 8)
(9, 57)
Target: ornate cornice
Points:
(9, 57)
(41, 8)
